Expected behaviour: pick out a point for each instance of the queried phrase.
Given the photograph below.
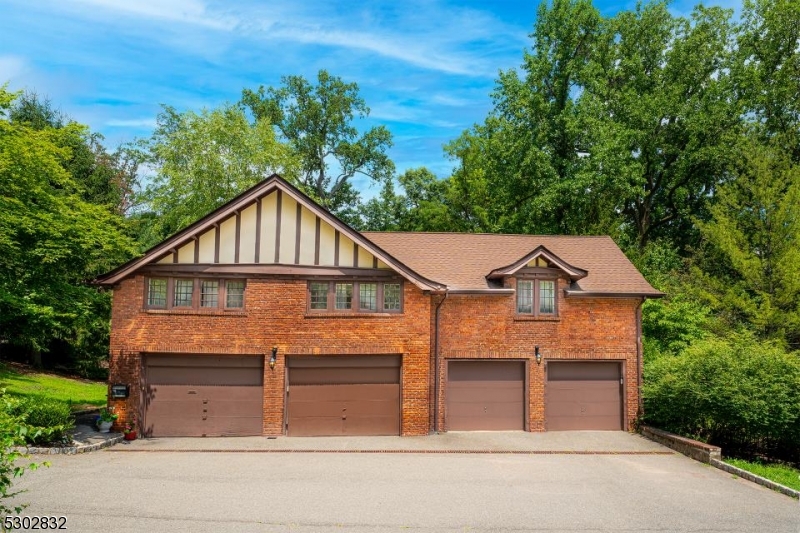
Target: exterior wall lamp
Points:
(538, 355)
(274, 357)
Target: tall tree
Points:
(531, 143)
(750, 267)
(664, 124)
(767, 71)
(423, 205)
(201, 161)
(317, 121)
(103, 178)
(620, 125)
(51, 240)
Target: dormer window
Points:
(536, 297)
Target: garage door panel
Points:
(343, 376)
(486, 411)
(190, 395)
(464, 392)
(234, 426)
(353, 399)
(373, 425)
(485, 395)
(578, 408)
(316, 426)
(498, 423)
(583, 396)
(189, 408)
(592, 392)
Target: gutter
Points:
(586, 294)
(436, 365)
(487, 292)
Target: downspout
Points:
(639, 359)
(436, 365)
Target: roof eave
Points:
(604, 294)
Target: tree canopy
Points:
(202, 160)
(52, 240)
(318, 123)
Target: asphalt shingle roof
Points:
(462, 260)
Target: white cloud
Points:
(11, 67)
(419, 54)
(186, 11)
(132, 123)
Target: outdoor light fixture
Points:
(538, 355)
(274, 357)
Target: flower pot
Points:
(103, 426)
(130, 435)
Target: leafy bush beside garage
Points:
(733, 392)
(47, 420)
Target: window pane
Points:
(524, 296)
(157, 293)
(547, 297)
(367, 296)
(319, 295)
(391, 297)
(234, 294)
(344, 296)
(209, 293)
(183, 293)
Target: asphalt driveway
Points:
(270, 490)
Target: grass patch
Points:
(785, 475)
(80, 393)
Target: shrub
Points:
(13, 432)
(733, 391)
(49, 420)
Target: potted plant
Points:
(129, 431)
(106, 419)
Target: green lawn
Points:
(79, 392)
(787, 476)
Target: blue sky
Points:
(425, 68)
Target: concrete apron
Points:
(512, 442)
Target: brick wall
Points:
(471, 326)
(487, 327)
(274, 315)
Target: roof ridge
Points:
(560, 236)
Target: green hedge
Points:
(48, 420)
(734, 392)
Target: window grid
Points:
(344, 296)
(391, 297)
(355, 296)
(183, 293)
(524, 296)
(157, 293)
(234, 294)
(319, 295)
(209, 293)
(368, 296)
(547, 297)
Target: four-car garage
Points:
(220, 395)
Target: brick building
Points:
(270, 316)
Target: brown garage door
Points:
(340, 395)
(585, 395)
(203, 395)
(485, 395)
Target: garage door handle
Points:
(192, 392)
(344, 414)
